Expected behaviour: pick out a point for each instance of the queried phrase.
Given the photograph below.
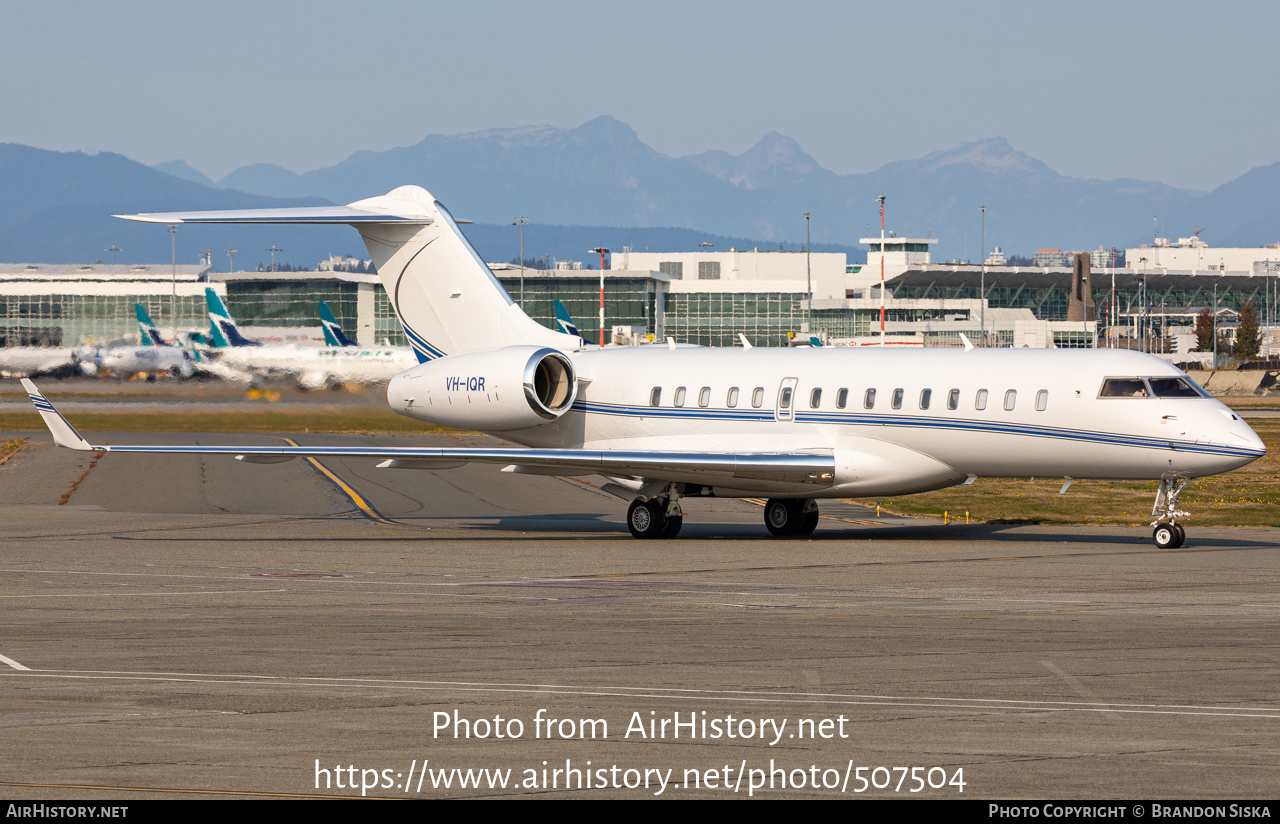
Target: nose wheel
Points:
(1169, 536)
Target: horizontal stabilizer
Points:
(314, 214)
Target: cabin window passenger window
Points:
(704, 397)
(897, 399)
(870, 400)
(785, 401)
(680, 396)
(953, 399)
(655, 397)
(757, 397)
(1123, 388)
(980, 402)
(925, 396)
(815, 399)
(842, 399)
(1042, 400)
(1010, 398)
(733, 398)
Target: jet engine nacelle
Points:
(515, 387)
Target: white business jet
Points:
(662, 423)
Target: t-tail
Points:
(222, 328)
(150, 334)
(446, 298)
(333, 335)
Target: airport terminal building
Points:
(701, 297)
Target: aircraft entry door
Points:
(786, 410)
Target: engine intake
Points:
(549, 384)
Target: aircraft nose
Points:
(1235, 432)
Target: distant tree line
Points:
(530, 263)
(364, 267)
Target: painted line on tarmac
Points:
(677, 694)
(134, 594)
(14, 664)
(355, 498)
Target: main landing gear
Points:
(790, 516)
(661, 516)
(1168, 534)
(655, 518)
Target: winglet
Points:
(64, 434)
(965, 340)
(746, 344)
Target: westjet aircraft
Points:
(313, 367)
(333, 334)
(662, 423)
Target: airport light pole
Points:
(1146, 315)
(1143, 283)
(1268, 297)
(113, 249)
(173, 299)
(231, 255)
(273, 249)
(1215, 322)
(881, 199)
(982, 278)
(808, 278)
(1112, 314)
(603, 251)
(521, 221)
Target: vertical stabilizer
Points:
(224, 329)
(333, 335)
(447, 299)
(150, 334)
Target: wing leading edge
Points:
(808, 468)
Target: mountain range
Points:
(599, 183)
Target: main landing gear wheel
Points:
(645, 519)
(649, 519)
(810, 522)
(785, 517)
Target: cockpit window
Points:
(1123, 388)
(1173, 388)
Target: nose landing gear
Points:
(1168, 534)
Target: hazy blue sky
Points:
(1178, 92)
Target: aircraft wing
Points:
(809, 467)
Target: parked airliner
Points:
(312, 367)
(796, 425)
